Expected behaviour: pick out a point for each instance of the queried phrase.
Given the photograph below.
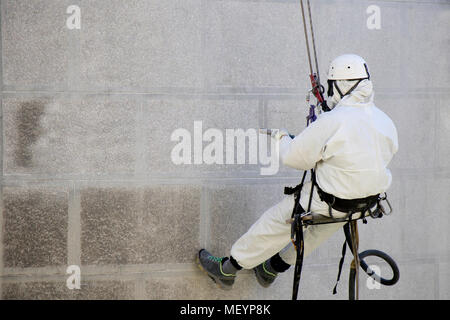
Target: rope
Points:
(313, 42)
(308, 50)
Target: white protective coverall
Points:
(352, 146)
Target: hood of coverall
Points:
(362, 95)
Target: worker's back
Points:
(352, 146)
(357, 153)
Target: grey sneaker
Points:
(212, 266)
(265, 274)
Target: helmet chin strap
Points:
(349, 91)
(333, 84)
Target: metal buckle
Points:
(304, 214)
(376, 213)
(384, 198)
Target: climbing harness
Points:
(370, 206)
(302, 219)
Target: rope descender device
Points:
(314, 75)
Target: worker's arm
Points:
(306, 149)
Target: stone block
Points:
(254, 44)
(36, 50)
(140, 45)
(105, 290)
(201, 287)
(425, 225)
(57, 290)
(424, 43)
(415, 131)
(135, 226)
(163, 117)
(232, 209)
(63, 135)
(35, 226)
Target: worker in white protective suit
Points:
(350, 147)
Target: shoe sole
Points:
(216, 281)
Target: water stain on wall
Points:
(29, 129)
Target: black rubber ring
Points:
(385, 257)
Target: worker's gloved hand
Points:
(277, 134)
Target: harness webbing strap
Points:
(297, 227)
(297, 232)
(355, 263)
(298, 188)
(344, 250)
(345, 205)
(352, 240)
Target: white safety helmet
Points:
(348, 67)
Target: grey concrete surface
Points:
(86, 120)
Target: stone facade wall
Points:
(86, 120)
